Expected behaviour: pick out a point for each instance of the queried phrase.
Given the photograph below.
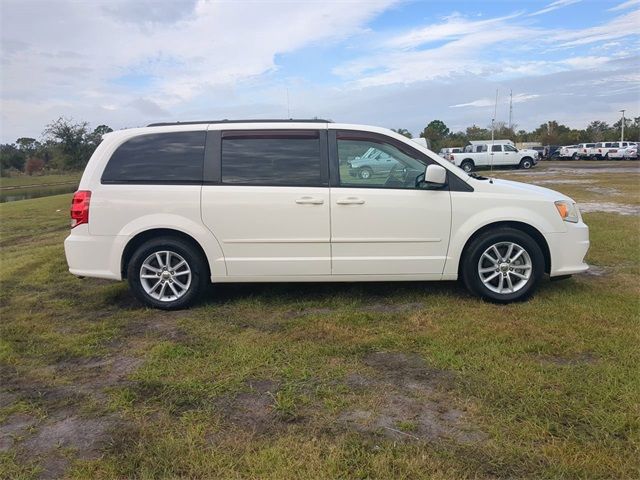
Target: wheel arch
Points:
(152, 233)
(523, 227)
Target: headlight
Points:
(568, 211)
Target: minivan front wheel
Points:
(167, 273)
(503, 265)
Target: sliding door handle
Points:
(309, 201)
(350, 201)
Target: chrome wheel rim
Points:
(505, 267)
(467, 167)
(364, 174)
(165, 276)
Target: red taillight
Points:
(80, 208)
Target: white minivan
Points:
(174, 207)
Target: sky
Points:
(392, 63)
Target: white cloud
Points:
(214, 47)
(554, 6)
(625, 5)
(455, 26)
(623, 26)
(490, 102)
(127, 63)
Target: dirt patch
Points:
(392, 307)
(564, 182)
(414, 402)
(15, 426)
(604, 191)
(7, 398)
(65, 436)
(308, 312)
(609, 207)
(591, 170)
(252, 411)
(408, 371)
(596, 271)
(50, 444)
(97, 373)
(584, 358)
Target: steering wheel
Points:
(397, 175)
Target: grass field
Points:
(415, 380)
(25, 180)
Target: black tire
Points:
(195, 262)
(471, 259)
(365, 173)
(526, 163)
(467, 166)
(574, 156)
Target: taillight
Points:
(80, 208)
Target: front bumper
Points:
(568, 249)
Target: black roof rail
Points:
(252, 120)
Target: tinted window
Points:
(371, 163)
(496, 148)
(509, 148)
(175, 157)
(280, 159)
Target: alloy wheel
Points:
(505, 267)
(165, 276)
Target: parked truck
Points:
(498, 154)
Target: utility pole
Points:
(510, 108)
(622, 125)
(493, 121)
(288, 108)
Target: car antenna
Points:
(493, 120)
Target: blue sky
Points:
(392, 63)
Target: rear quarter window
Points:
(175, 157)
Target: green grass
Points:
(281, 381)
(25, 180)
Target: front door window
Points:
(368, 163)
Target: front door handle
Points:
(309, 201)
(350, 201)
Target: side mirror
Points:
(435, 176)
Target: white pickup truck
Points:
(496, 154)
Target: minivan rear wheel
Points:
(503, 265)
(167, 273)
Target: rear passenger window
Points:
(175, 157)
(283, 159)
(496, 148)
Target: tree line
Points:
(550, 133)
(66, 145)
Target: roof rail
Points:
(253, 120)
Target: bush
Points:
(34, 165)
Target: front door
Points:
(270, 209)
(384, 224)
